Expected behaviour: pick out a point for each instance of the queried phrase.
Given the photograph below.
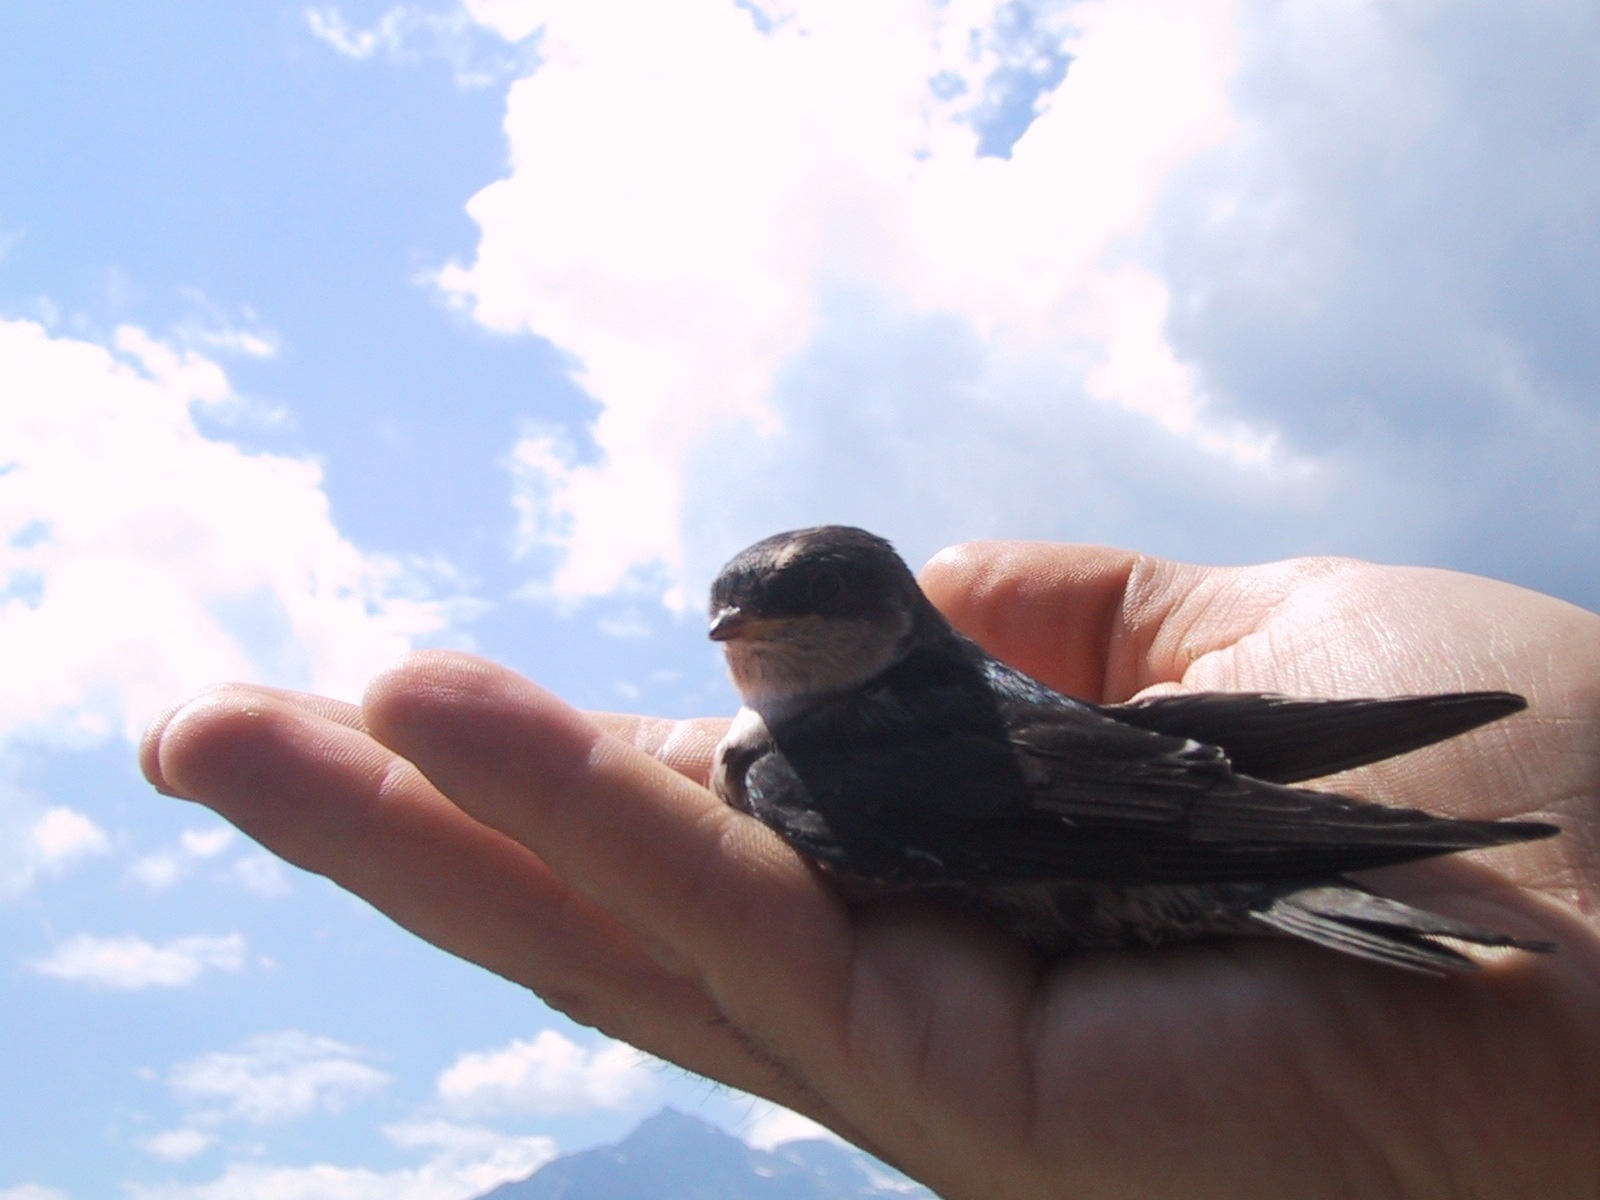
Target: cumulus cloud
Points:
(275, 1077)
(409, 33)
(254, 872)
(461, 1161)
(547, 1075)
(687, 266)
(1387, 264)
(458, 1140)
(37, 840)
(767, 1125)
(1224, 279)
(157, 871)
(141, 559)
(214, 329)
(260, 873)
(32, 1191)
(131, 963)
(178, 1145)
(62, 835)
(290, 1075)
(206, 843)
(511, 19)
(165, 867)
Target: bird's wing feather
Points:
(1284, 741)
(1348, 917)
(1067, 793)
(1180, 812)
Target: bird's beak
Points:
(728, 623)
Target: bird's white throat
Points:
(809, 658)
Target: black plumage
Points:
(884, 744)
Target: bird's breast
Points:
(746, 740)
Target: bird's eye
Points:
(824, 589)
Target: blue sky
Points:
(329, 331)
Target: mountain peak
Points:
(671, 1124)
(672, 1155)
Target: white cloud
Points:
(687, 265)
(157, 871)
(205, 843)
(409, 33)
(178, 1145)
(511, 19)
(454, 1138)
(212, 328)
(37, 841)
(254, 872)
(131, 963)
(237, 341)
(1389, 264)
(768, 1125)
(32, 1191)
(329, 25)
(291, 1075)
(262, 874)
(1254, 280)
(141, 559)
(62, 835)
(546, 1076)
(276, 1077)
(465, 1161)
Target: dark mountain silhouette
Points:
(673, 1156)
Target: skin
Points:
(580, 856)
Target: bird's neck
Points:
(781, 681)
(811, 662)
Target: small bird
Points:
(881, 743)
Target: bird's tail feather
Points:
(1345, 917)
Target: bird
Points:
(892, 750)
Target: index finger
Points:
(1105, 624)
(684, 745)
(1061, 613)
(699, 884)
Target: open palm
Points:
(581, 856)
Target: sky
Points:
(331, 331)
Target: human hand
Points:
(583, 858)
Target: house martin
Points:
(881, 743)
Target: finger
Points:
(1105, 624)
(685, 746)
(331, 800)
(705, 887)
(1058, 612)
(339, 711)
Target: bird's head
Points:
(814, 612)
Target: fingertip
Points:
(964, 580)
(185, 748)
(430, 687)
(419, 674)
(948, 572)
(450, 712)
(996, 580)
(185, 734)
(1046, 608)
(150, 748)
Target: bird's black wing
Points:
(1284, 740)
(893, 788)
(1181, 813)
